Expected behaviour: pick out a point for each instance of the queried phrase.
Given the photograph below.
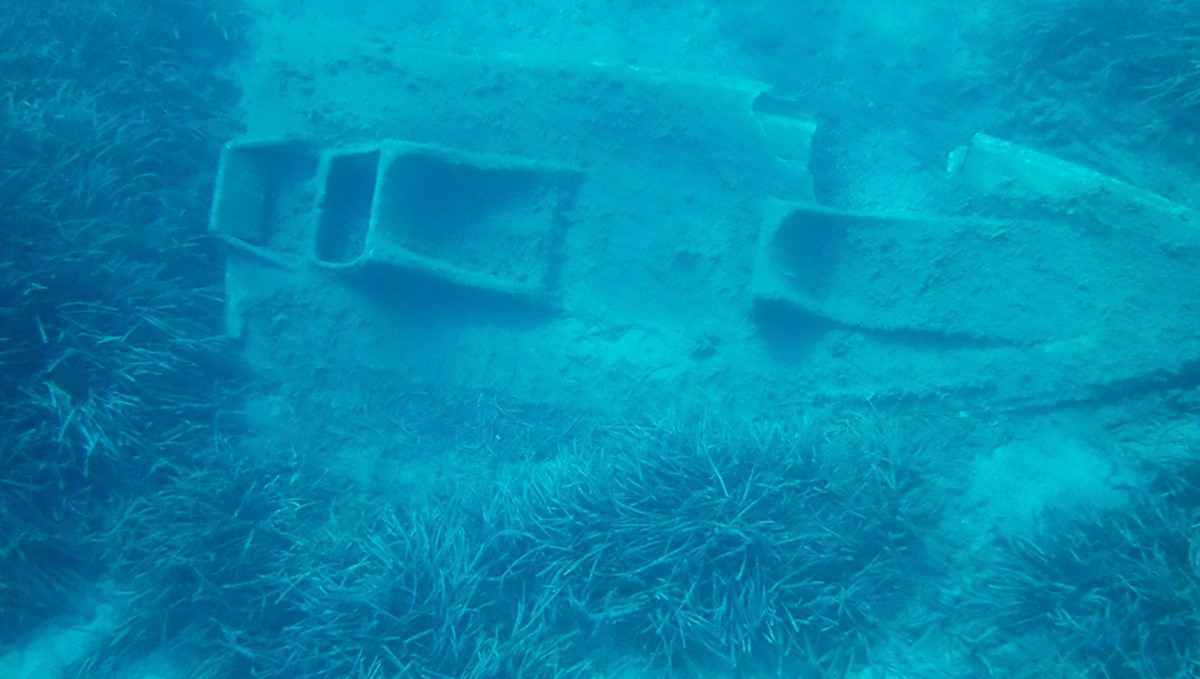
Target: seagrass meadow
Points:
(482, 339)
(113, 365)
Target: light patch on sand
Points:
(1048, 469)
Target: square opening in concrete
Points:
(259, 184)
(487, 218)
(808, 248)
(346, 201)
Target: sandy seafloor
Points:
(1050, 392)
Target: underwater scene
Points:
(599, 338)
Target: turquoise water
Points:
(470, 339)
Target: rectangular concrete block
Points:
(1025, 181)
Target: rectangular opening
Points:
(257, 185)
(346, 206)
(471, 214)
